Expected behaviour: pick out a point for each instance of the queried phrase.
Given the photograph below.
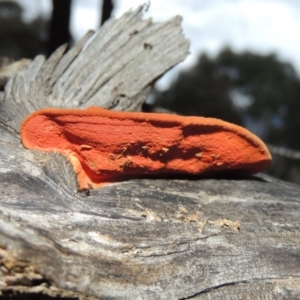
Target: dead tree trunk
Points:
(209, 238)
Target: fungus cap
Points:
(106, 146)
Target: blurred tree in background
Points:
(107, 8)
(256, 91)
(59, 25)
(20, 39)
(60, 21)
(202, 91)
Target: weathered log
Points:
(167, 238)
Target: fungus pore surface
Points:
(107, 146)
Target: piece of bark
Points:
(114, 69)
(168, 238)
(156, 239)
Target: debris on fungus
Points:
(107, 146)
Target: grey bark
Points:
(168, 238)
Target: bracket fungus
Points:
(106, 146)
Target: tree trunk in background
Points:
(107, 8)
(59, 25)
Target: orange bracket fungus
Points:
(107, 146)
